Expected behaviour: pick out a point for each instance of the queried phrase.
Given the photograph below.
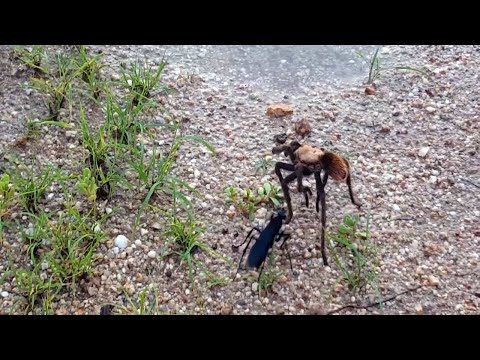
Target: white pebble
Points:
(143, 232)
(108, 210)
(152, 254)
(121, 241)
(116, 250)
(255, 287)
(430, 109)
(396, 207)
(4, 294)
(196, 173)
(423, 151)
(97, 229)
(138, 242)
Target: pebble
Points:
(430, 109)
(143, 232)
(138, 242)
(156, 226)
(423, 151)
(152, 254)
(4, 294)
(396, 207)
(121, 241)
(255, 287)
(433, 280)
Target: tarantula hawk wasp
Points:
(307, 160)
(268, 236)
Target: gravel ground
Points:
(413, 147)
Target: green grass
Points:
(354, 253)
(263, 165)
(31, 186)
(141, 80)
(34, 59)
(376, 68)
(59, 247)
(269, 276)
(91, 71)
(142, 306)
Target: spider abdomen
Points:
(337, 167)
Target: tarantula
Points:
(307, 160)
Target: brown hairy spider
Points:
(307, 160)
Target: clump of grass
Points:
(57, 86)
(247, 200)
(31, 187)
(143, 305)
(91, 68)
(269, 276)
(262, 165)
(376, 69)
(61, 250)
(7, 192)
(354, 253)
(102, 166)
(140, 80)
(33, 128)
(166, 182)
(33, 58)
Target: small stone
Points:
(196, 173)
(156, 226)
(433, 280)
(44, 265)
(97, 229)
(108, 210)
(4, 294)
(115, 77)
(307, 254)
(116, 250)
(370, 90)
(279, 110)
(143, 232)
(138, 243)
(28, 91)
(226, 310)
(187, 292)
(396, 207)
(255, 287)
(419, 309)
(430, 109)
(423, 151)
(152, 254)
(121, 241)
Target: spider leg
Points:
(284, 183)
(300, 170)
(352, 197)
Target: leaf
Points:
(267, 187)
(349, 221)
(275, 202)
(363, 234)
(344, 229)
(261, 191)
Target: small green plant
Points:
(142, 307)
(269, 276)
(183, 234)
(263, 165)
(33, 59)
(375, 68)
(140, 80)
(87, 186)
(91, 68)
(102, 167)
(31, 187)
(7, 192)
(166, 182)
(354, 253)
(33, 128)
(247, 200)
